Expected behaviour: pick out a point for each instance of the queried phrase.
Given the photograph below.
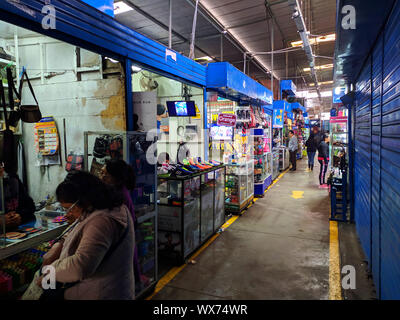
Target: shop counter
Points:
(283, 158)
(47, 231)
(191, 210)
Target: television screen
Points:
(181, 108)
(221, 133)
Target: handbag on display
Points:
(74, 162)
(8, 147)
(116, 147)
(30, 113)
(26, 113)
(96, 168)
(101, 146)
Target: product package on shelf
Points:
(18, 271)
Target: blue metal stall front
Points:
(288, 87)
(230, 83)
(368, 57)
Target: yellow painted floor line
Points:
(175, 270)
(335, 288)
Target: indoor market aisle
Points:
(279, 249)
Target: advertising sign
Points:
(338, 93)
(278, 118)
(227, 120)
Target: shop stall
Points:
(103, 91)
(281, 109)
(237, 105)
(338, 141)
(298, 127)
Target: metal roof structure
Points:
(243, 26)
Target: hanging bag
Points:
(15, 114)
(8, 153)
(30, 113)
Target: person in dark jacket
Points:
(323, 159)
(311, 150)
(19, 206)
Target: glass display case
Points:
(262, 176)
(191, 209)
(239, 186)
(283, 153)
(338, 140)
(275, 165)
(22, 249)
(134, 148)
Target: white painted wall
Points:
(93, 104)
(171, 90)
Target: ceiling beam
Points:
(162, 25)
(221, 28)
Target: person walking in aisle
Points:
(311, 150)
(323, 159)
(293, 146)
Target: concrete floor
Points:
(279, 249)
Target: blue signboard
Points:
(338, 93)
(289, 87)
(235, 85)
(106, 6)
(278, 118)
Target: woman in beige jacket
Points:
(96, 259)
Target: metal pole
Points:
(244, 62)
(222, 47)
(272, 58)
(170, 25)
(287, 64)
(191, 54)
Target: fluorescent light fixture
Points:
(321, 83)
(312, 95)
(321, 67)
(112, 60)
(206, 58)
(121, 7)
(136, 69)
(325, 38)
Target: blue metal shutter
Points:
(390, 162)
(376, 159)
(362, 159)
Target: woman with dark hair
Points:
(96, 259)
(323, 159)
(19, 206)
(121, 175)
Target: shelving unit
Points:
(338, 139)
(262, 172)
(239, 186)
(191, 210)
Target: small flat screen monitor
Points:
(181, 108)
(221, 133)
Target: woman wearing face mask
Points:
(96, 259)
